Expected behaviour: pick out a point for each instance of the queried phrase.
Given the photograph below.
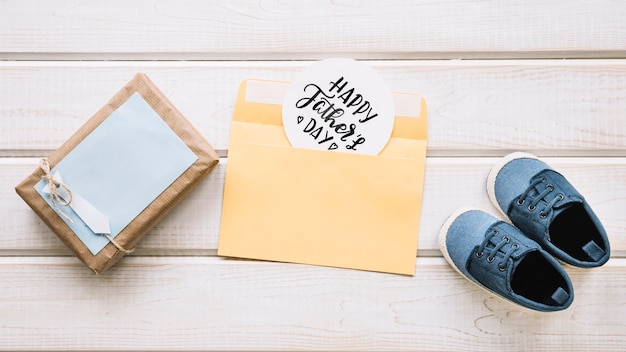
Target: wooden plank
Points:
(148, 29)
(193, 227)
(173, 303)
(174, 293)
(475, 108)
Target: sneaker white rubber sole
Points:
(444, 250)
(444, 231)
(495, 170)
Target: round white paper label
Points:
(339, 104)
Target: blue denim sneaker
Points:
(499, 258)
(548, 209)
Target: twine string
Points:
(53, 185)
(56, 199)
(117, 245)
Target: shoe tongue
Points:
(560, 296)
(564, 205)
(593, 250)
(560, 187)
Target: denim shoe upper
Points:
(548, 209)
(496, 256)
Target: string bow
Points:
(54, 185)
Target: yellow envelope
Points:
(319, 207)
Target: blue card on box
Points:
(120, 168)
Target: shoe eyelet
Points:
(543, 179)
(520, 202)
(495, 233)
(515, 246)
(543, 215)
(560, 197)
(491, 259)
(479, 254)
(532, 208)
(549, 185)
(507, 239)
(501, 267)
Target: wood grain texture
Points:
(174, 293)
(156, 303)
(450, 183)
(270, 29)
(476, 108)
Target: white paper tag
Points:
(92, 217)
(339, 104)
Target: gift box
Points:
(119, 174)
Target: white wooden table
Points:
(548, 77)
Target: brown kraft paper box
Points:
(157, 209)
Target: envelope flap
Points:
(411, 117)
(261, 101)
